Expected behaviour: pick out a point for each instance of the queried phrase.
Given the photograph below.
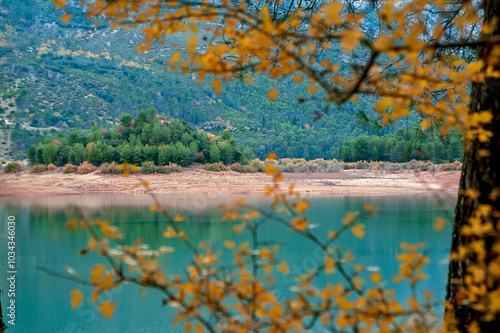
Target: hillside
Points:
(58, 76)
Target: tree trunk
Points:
(480, 173)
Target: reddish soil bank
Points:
(198, 181)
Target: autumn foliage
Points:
(86, 167)
(216, 295)
(438, 59)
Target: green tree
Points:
(227, 153)
(126, 120)
(138, 156)
(141, 119)
(186, 139)
(248, 153)
(361, 148)
(183, 154)
(150, 153)
(194, 149)
(167, 154)
(76, 154)
(110, 154)
(215, 155)
(63, 155)
(94, 154)
(94, 134)
(49, 153)
(126, 154)
(146, 133)
(32, 158)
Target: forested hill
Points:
(60, 76)
(147, 138)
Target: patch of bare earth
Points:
(198, 181)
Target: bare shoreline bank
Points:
(192, 181)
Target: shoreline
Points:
(195, 180)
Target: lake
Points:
(42, 300)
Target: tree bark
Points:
(480, 173)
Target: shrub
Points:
(258, 165)
(13, 167)
(235, 167)
(86, 167)
(219, 166)
(51, 166)
(169, 168)
(70, 168)
(425, 166)
(110, 168)
(148, 168)
(248, 169)
(38, 168)
(362, 165)
(452, 166)
(336, 167)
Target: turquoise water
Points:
(42, 300)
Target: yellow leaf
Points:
(71, 224)
(368, 208)
(273, 94)
(439, 223)
(329, 265)
(475, 66)
(332, 234)
(169, 233)
(312, 89)
(358, 230)
(192, 44)
(110, 231)
(426, 123)
(66, 17)
(283, 267)
(106, 309)
(238, 228)
(175, 58)
(76, 298)
(198, 328)
(271, 169)
(383, 104)
(95, 295)
(178, 218)
(217, 85)
(229, 244)
(239, 202)
(376, 277)
(300, 223)
(301, 206)
(59, 3)
(332, 11)
(272, 156)
(297, 79)
(350, 40)
(230, 214)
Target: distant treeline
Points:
(404, 145)
(148, 137)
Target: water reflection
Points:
(43, 300)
